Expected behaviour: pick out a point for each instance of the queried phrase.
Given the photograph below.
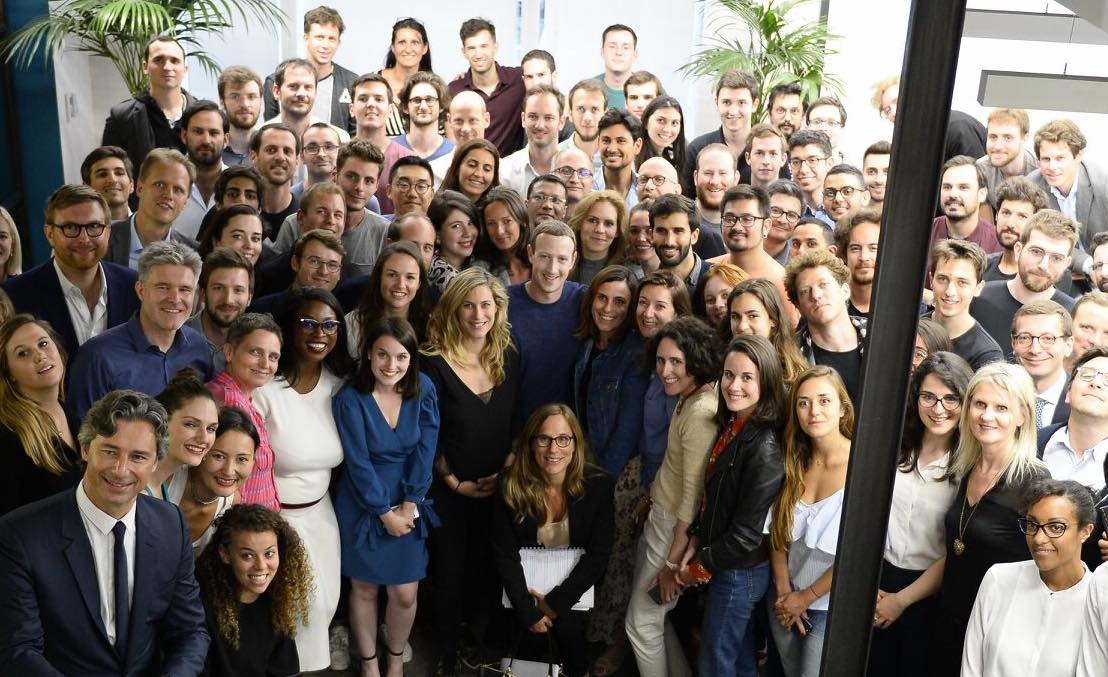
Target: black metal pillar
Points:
(926, 87)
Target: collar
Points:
(135, 245)
(1065, 198)
(100, 519)
(70, 289)
(1061, 440)
(143, 344)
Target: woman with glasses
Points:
(552, 497)
(1027, 618)
(994, 463)
(473, 171)
(505, 231)
(397, 287)
(455, 220)
(664, 125)
(296, 409)
(923, 489)
(598, 221)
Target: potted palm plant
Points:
(118, 30)
(760, 38)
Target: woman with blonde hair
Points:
(716, 288)
(996, 462)
(755, 306)
(36, 434)
(11, 249)
(804, 531)
(470, 357)
(598, 221)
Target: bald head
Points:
(466, 118)
(574, 159)
(652, 169)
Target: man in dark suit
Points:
(77, 293)
(1042, 339)
(164, 184)
(99, 581)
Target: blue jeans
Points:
(727, 633)
(800, 656)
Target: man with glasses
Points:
(411, 186)
(844, 192)
(827, 114)
(421, 108)
(1074, 448)
(316, 262)
(856, 243)
(547, 199)
(1042, 339)
(575, 169)
(1042, 256)
(657, 177)
(77, 292)
(767, 153)
(961, 193)
(542, 120)
(786, 202)
(809, 153)
(164, 183)
(714, 174)
(317, 157)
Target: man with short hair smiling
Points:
(1042, 256)
(620, 142)
(318, 156)
(1017, 200)
(961, 192)
(676, 229)
(1072, 186)
(204, 128)
(956, 269)
(714, 174)
(767, 154)
(657, 177)
(542, 120)
(817, 286)
(539, 69)
(164, 182)
(502, 87)
(421, 108)
(466, 118)
(411, 185)
(587, 100)
(809, 160)
(844, 192)
(1042, 339)
(294, 86)
(369, 109)
(323, 207)
(875, 171)
(736, 97)
(108, 170)
(240, 95)
(1090, 324)
(547, 199)
(641, 88)
(146, 351)
(786, 108)
(75, 290)
(1074, 448)
(856, 241)
(575, 169)
(619, 47)
(226, 288)
(316, 261)
(275, 152)
(364, 233)
(543, 313)
(1006, 154)
(786, 202)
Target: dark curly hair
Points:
(697, 341)
(288, 318)
(292, 587)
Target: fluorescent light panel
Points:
(1032, 26)
(1039, 91)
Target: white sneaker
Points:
(339, 643)
(385, 641)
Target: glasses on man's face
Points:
(420, 187)
(543, 197)
(824, 122)
(1036, 254)
(314, 262)
(948, 402)
(326, 326)
(846, 191)
(72, 230)
(658, 180)
(1053, 529)
(1090, 374)
(567, 172)
(314, 148)
(562, 441)
(789, 217)
(744, 220)
(418, 101)
(1047, 341)
(795, 163)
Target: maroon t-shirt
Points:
(984, 235)
(504, 105)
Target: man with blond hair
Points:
(164, 184)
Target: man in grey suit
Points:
(163, 186)
(1072, 186)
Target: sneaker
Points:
(407, 645)
(340, 648)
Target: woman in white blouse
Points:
(296, 408)
(1027, 618)
(923, 489)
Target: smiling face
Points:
(322, 40)
(163, 193)
(735, 106)
(358, 180)
(297, 93)
(388, 362)
(809, 165)
(109, 178)
(228, 464)
(1042, 261)
(475, 173)
(166, 297)
(738, 237)
(618, 147)
(1090, 327)
(1059, 165)
(548, 202)
(714, 174)
(842, 205)
(663, 127)
(875, 167)
(192, 429)
(610, 306)
(243, 233)
(551, 459)
(640, 239)
(501, 227)
(320, 152)
(253, 361)
(370, 106)
(314, 344)
(1090, 398)
(552, 258)
(819, 408)
(34, 363)
(955, 285)
(585, 110)
(424, 106)
(599, 230)
(457, 237)
(404, 185)
(276, 158)
(542, 120)
(408, 47)
(654, 309)
(82, 252)
(749, 316)
(669, 363)
(1011, 217)
(993, 416)
(861, 253)
(673, 238)
(317, 266)
(226, 296)
(938, 420)
(784, 214)
(960, 194)
(739, 384)
(716, 291)
(1004, 142)
(118, 467)
(326, 212)
(254, 560)
(1064, 551)
(1039, 361)
(477, 313)
(399, 283)
(480, 51)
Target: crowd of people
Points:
(336, 344)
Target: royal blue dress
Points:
(385, 467)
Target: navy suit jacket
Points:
(1044, 435)
(50, 622)
(39, 293)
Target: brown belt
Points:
(300, 506)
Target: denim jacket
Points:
(613, 409)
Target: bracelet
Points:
(671, 566)
(457, 482)
(814, 595)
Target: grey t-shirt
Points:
(362, 243)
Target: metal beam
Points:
(926, 87)
(1043, 91)
(1032, 26)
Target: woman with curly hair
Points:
(256, 581)
(455, 220)
(505, 231)
(598, 221)
(755, 306)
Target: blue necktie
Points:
(122, 605)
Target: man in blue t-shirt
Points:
(619, 46)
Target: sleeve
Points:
(590, 568)
(973, 659)
(182, 632)
(89, 380)
(21, 633)
(114, 134)
(762, 475)
(271, 107)
(351, 424)
(698, 431)
(417, 479)
(505, 554)
(625, 436)
(1092, 659)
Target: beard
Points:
(1033, 282)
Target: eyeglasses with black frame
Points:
(567, 172)
(657, 180)
(790, 217)
(73, 230)
(744, 220)
(948, 402)
(1053, 529)
(562, 441)
(328, 327)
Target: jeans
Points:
(727, 633)
(800, 656)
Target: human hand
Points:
(487, 484)
(669, 585)
(397, 525)
(542, 604)
(641, 510)
(472, 489)
(542, 625)
(889, 608)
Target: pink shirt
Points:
(260, 487)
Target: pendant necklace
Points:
(959, 542)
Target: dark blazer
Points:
(38, 292)
(1044, 435)
(50, 614)
(1092, 205)
(139, 126)
(738, 493)
(591, 526)
(119, 242)
(342, 83)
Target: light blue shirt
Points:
(1067, 204)
(136, 245)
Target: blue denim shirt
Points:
(657, 412)
(613, 406)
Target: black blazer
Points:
(738, 494)
(591, 526)
(139, 126)
(50, 615)
(119, 242)
(38, 292)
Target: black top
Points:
(23, 482)
(848, 364)
(261, 652)
(271, 223)
(995, 307)
(474, 436)
(977, 347)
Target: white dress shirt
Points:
(1092, 660)
(189, 220)
(516, 171)
(86, 324)
(1051, 397)
(1067, 204)
(1021, 627)
(1062, 461)
(98, 526)
(916, 536)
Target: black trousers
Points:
(904, 647)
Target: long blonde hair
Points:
(444, 331)
(36, 430)
(798, 453)
(525, 487)
(1023, 459)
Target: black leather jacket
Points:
(738, 494)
